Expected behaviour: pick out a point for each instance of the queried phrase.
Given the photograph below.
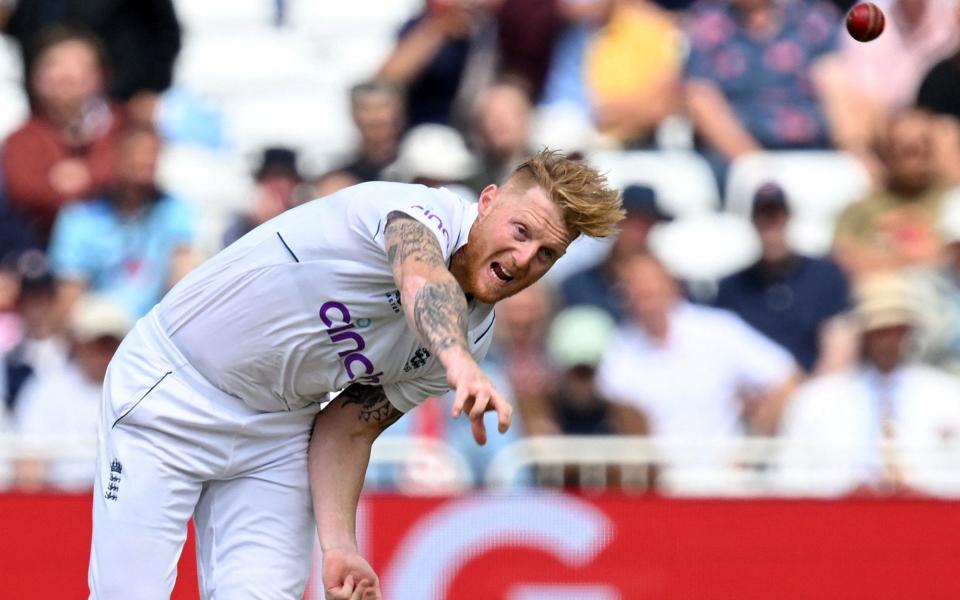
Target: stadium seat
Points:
(11, 67)
(818, 184)
(704, 247)
(683, 181)
(249, 60)
(14, 109)
(209, 15)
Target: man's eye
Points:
(521, 230)
(546, 253)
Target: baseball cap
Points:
(641, 201)
(579, 335)
(769, 196)
(95, 316)
(884, 300)
(278, 161)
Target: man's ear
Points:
(487, 196)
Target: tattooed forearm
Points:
(408, 238)
(373, 403)
(439, 306)
(440, 315)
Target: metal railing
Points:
(718, 467)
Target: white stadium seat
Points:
(11, 66)
(818, 185)
(14, 108)
(683, 181)
(705, 247)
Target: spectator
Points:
(883, 76)
(597, 285)
(501, 122)
(39, 348)
(896, 226)
(519, 350)
(752, 78)
(132, 243)
(938, 96)
(434, 155)
(141, 37)
(691, 373)
(632, 72)
(65, 404)
(526, 33)
(277, 183)
(378, 112)
(576, 341)
(63, 151)
(834, 427)
(444, 56)
(794, 300)
(332, 181)
(618, 63)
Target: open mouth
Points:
(501, 273)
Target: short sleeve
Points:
(407, 395)
(835, 291)
(70, 252)
(612, 380)
(759, 361)
(439, 210)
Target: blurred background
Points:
(778, 318)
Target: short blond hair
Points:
(588, 204)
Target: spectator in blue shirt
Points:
(792, 299)
(596, 285)
(132, 242)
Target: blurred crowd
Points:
(850, 358)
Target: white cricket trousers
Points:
(172, 446)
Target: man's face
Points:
(94, 356)
(378, 119)
(517, 237)
(650, 291)
(884, 347)
(67, 75)
(910, 157)
(771, 226)
(137, 159)
(504, 121)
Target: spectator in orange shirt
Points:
(63, 151)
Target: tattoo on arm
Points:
(408, 238)
(439, 307)
(440, 314)
(373, 403)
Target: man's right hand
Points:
(475, 393)
(348, 576)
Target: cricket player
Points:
(383, 292)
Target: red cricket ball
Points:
(865, 21)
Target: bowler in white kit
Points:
(212, 404)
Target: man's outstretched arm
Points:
(339, 452)
(436, 310)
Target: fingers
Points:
(504, 412)
(459, 400)
(479, 430)
(480, 402)
(361, 592)
(343, 592)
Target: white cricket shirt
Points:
(306, 304)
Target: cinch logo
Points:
(432, 216)
(353, 358)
